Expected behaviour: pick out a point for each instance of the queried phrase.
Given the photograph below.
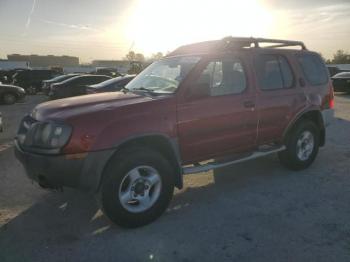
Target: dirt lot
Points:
(254, 211)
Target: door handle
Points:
(249, 104)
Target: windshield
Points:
(59, 78)
(71, 79)
(164, 76)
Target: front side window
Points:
(313, 68)
(164, 76)
(223, 77)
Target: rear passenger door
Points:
(279, 96)
(223, 120)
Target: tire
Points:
(119, 180)
(301, 152)
(9, 98)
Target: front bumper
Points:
(81, 171)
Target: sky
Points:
(108, 29)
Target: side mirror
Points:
(199, 90)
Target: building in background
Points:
(84, 69)
(39, 61)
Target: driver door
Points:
(222, 122)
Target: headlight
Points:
(45, 135)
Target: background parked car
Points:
(111, 85)
(6, 76)
(113, 72)
(75, 86)
(10, 94)
(341, 82)
(333, 70)
(31, 80)
(47, 83)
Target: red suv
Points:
(204, 106)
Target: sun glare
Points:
(161, 25)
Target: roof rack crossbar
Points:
(258, 41)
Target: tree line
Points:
(138, 61)
(339, 57)
(139, 57)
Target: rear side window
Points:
(313, 68)
(83, 80)
(97, 79)
(287, 74)
(274, 72)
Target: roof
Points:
(234, 43)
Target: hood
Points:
(341, 77)
(18, 88)
(73, 106)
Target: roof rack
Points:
(248, 41)
(230, 42)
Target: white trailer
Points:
(8, 65)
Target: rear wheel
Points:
(9, 98)
(302, 146)
(137, 187)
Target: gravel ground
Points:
(254, 211)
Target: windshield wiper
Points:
(143, 89)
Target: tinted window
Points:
(313, 68)
(80, 81)
(224, 77)
(269, 73)
(274, 72)
(287, 74)
(85, 80)
(95, 79)
(91, 80)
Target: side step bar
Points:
(213, 165)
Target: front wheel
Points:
(137, 187)
(9, 99)
(302, 146)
